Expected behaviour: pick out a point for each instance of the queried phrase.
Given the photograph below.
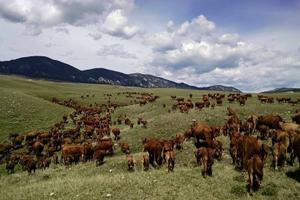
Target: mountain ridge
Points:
(43, 67)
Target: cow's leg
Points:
(250, 175)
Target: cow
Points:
(37, 148)
(146, 162)
(247, 146)
(264, 152)
(154, 148)
(296, 118)
(130, 162)
(124, 148)
(279, 154)
(296, 149)
(105, 144)
(203, 134)
(205, 156)
(179, 139)
(272, 121)
(255, 172)
(116, 132)
(170, 160)
(71, 153)
(99, 156)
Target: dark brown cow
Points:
(296, 149)
(37, 148)
(255, 172)
(272, 121)
(116, 132)
(99, 156)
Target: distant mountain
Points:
(45, 68)
(278, 90)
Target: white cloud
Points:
(116, 24)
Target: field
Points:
(25, 105)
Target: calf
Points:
(130, 162)
(205, 156)
(255, 172)
(99, 156)
(279, 154)
(170, 159)
(125, 148)
(116, 133)
(146, 162)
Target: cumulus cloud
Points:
(115, 50)
(194, 52)
(116, 24)
(95, 35)
(48, 13)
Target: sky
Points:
(252, 45)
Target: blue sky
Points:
(253, 45)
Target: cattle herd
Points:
(94, 136)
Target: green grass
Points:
(25, 106)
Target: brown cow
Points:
(272, 121)
(296, 149)
(116, 132)
(99, 156)
(247, 146)
(179, 139)
(130, 162)
(203, 134)
(105, 144)
(37, 148)
(125, 148)
(205, 156)
(255, 172)
(154, 148)
(279, 154)
(71, 153)
(170, 159)
(146, 162)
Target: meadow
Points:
(25, 105)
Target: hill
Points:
(41, 67)
(280, 90)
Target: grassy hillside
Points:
(24, 106)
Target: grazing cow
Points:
(272, 121)
(11, 163)
(125, 148)
(170, 159)
(146, 162)
(205, 156)
(154, 148)
(116, 132)
(218, 147)
(130, 162)
(279, 155)
(255, 172)
(99, 156)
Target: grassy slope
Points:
(25, 99)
